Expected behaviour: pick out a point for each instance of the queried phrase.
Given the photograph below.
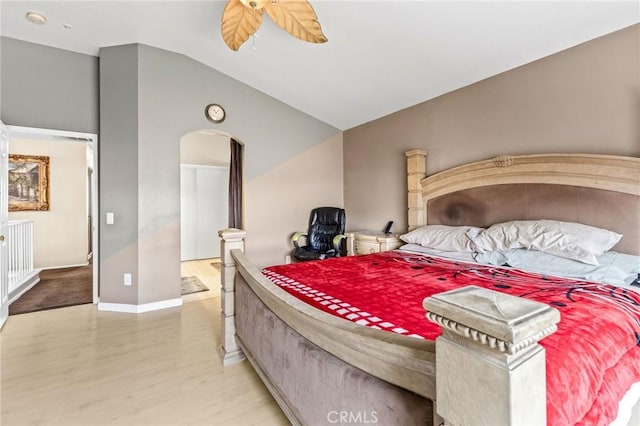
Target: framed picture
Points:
(28, 182)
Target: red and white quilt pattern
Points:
(336, 306)
(592, 360)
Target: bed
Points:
(325, 369)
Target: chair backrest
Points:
(324, 224)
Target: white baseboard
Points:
(27, 284)
(138, 309)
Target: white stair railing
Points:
(20, 248)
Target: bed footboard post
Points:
(416, 171)
(490, 368)
(229, 351)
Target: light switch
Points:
(110, 218)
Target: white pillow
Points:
(442, 237)
(615, 268)
(575, 241)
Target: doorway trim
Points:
(92, 140)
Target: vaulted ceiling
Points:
(381, 57)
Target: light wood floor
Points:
(78, 366)
(209, 276)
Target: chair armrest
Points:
(296, 237)
(336, 242)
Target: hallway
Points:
(57, 288)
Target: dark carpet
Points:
(57, 288)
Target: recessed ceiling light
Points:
(36, 18)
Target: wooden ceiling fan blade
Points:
(298, 18)
(239, 23)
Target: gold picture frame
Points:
(28, 182)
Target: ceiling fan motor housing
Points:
(254, 4)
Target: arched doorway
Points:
(204, 195)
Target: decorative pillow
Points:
(575, 241)
(614, 268)
(442, 237)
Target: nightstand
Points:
(367, 242)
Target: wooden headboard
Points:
(597, 190)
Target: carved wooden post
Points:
(229, 351)
(416, 171)
(351, 238)
(490, 369)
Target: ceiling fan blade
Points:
(239, 23)
(298, 18)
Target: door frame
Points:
(92, 140)
(4, 205)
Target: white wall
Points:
(205, 147)
(204, 193)
(60, 234)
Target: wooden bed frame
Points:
(321, 368)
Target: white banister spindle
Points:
(20, 248)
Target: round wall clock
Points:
(215, 113)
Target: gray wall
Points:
(119, 163)
(584, 99)
(172, 93)
(150, 98)
(47, 87)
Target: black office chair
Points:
(325, 237)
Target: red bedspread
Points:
(592, 359)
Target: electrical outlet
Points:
(127, 279)
(287, 259)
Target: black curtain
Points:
(235, 185)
